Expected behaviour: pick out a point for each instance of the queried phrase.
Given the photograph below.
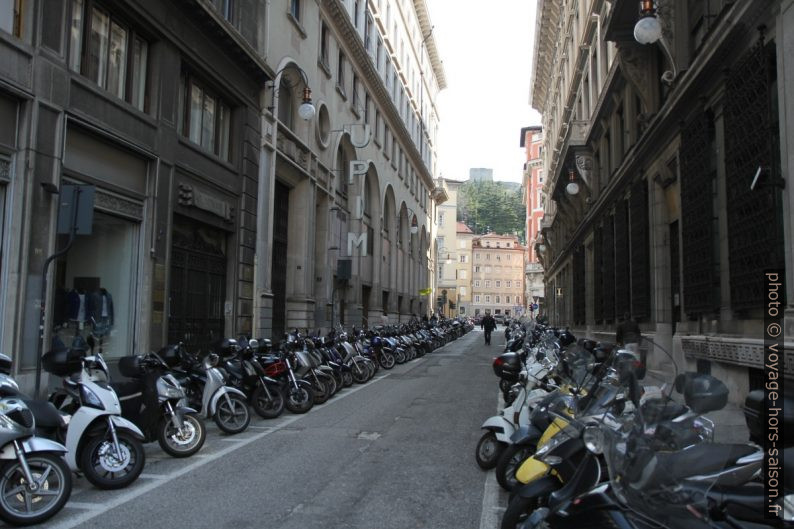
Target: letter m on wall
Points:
(357, 240)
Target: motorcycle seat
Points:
(700, 459)
(45, 414)
(126, 388)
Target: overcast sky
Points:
(486, 49)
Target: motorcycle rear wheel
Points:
(347, 379)
(27, 507)
(184, 443)
(232, 416)
(268, 407)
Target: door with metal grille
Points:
(198, 284)
(279, 279)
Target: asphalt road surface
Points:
(395, 453)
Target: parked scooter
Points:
(35, 481)
(152, 399)
(246, 374)
(206, 390)
(102, 444)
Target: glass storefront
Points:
(95, 287)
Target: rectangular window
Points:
(487, 283)
(366, 108)
(295, 9)
(462, 244)
(462, 292)
(487, 269)
(476, 299)
(226, 8)
(478, 256)
(487, 299)
(487, 257)
(507, 300)
(355, 92)
(207, 119)
(498, 284)
(108, 52)
(498, 299)
(324, 45)
(477, 283)
(508, 283)
(463, 274)
(11, 17)
(476, 268)
(462, 258)
(340, 73)
(518, 284)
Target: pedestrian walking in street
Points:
(628, 334)
(489, 324)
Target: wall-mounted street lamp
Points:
(307, 109)
(414, 223)
(648, 30)
(573, 187)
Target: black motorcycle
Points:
(151, 399)
(245, 373)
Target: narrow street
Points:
(397, 452)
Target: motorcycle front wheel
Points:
(347, 379)
(300, 399)
(105, 468)
(488, 450)
(518, 510)
(21, 506)
(319, 388)
(231, 414)
(360, 372)
(386, 360)
(510, 460)
(181, 442)
(268, 407)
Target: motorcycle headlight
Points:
(593, 439)
(168, 389)
(89, 398)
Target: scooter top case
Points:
(507, 366)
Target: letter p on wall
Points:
(357, 167)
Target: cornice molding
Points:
(426, 27)
(336, 12)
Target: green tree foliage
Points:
(491, 206)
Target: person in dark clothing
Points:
(489, 324)
(628, 334)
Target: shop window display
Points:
(95, 287)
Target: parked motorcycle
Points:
(152, 399)
(207, 391)
(35, 481)
(101, 444)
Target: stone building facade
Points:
(497, 275)
(217, 210)
(663, 141)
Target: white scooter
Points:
(500, 428)
(103, 445)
